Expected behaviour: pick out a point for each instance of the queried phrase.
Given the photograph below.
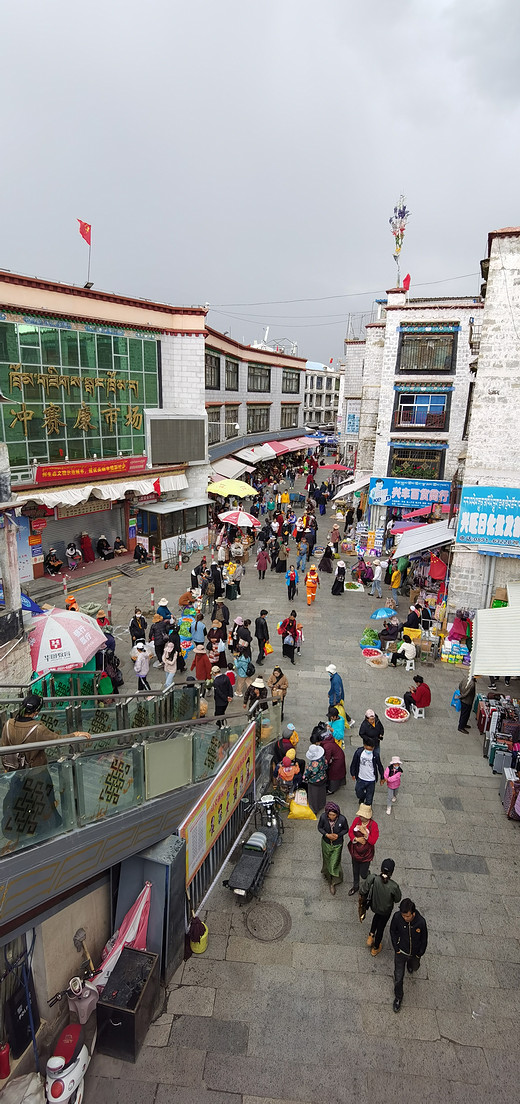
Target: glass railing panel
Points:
(210, 750)
(108, 783)
(37, 803)
(168, 763)
(185, 703)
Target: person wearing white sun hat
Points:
(315, 775)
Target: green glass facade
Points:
(74, 392)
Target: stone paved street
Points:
(309, 1018)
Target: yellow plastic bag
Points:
(300, 812)
(268, 648)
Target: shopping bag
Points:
(268, 648)
(455, 701)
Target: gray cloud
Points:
(236, 153)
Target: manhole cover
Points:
(268, 921)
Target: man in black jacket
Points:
(262, 635)
(371, 726)
(409, 935)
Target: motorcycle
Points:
(66, 1068)
(257, 852)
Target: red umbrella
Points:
(64, 640)
(239, 517)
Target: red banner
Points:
(86, 470)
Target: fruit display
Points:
(371, 652)
(396, 713)
(394, 701)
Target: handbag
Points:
(251, 669)
(268, 648)
(361, 852)
(288, 639)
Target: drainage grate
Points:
(268, 921)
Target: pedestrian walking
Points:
(315, 775)
(467, 691)
(201, 664)
(372, 727)
(222, 691)
(366, 765)
(207, 590)
(159, 630)
(262, 635)
(303, 554)
(335, 760)
(377, 580)
(392, 777)
(220, 613)
(137, 627)
(262, 562)
(337, 693)
(335, 536)
(409, 935)
(380, 894)
(278, 685)
(312, 582)
(291, 579)
(288, 631)
(333, 827)
(142, 666)
(363, 836)
(171, 659)
(241, 666)
(338, 586)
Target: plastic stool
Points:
(410, 664)
(418, 712)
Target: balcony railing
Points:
(412, 417)
(85, 782)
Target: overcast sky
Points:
(243, 154)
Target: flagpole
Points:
(89, 252)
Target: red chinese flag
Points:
(85, 230)
(331, 360)
(406, 282)
(157, 486)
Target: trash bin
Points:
(127, 1004)
(231, 592)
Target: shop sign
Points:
(408, 492)
(38, 524)
(33, 510)
(152, 497)
(37, 557)
(36, 540)
(96, 506)
(211, 814)
(90, 469)
(489, 515)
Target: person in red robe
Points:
(86, 548)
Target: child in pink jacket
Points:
(392, 777)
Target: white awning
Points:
(425, 536)
(513, 593)
(256, 453)
(361, 480)
(496, 633)
(73, 496)
(510, 550)
(173, 505)
(229, 468)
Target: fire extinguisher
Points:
(5, 1065)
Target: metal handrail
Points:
(168, 726)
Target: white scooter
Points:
(66, 1069)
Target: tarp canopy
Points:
(425, 536)
(361, 480)
(110, 492)
(496, 633)
(229, 468)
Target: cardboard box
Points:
(500, 594)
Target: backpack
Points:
(210, 589)
(251, 669)
(16, 760)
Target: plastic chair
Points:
(418, 712)
(410, 664)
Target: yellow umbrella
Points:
(226, 487)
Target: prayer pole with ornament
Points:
(398, 221)
(85, 230)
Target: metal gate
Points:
(209, 869)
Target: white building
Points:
(321, 401)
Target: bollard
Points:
(109, 603)
(152, 599)
(65, 587)
(153, 556)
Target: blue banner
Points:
(489, 515)
(408, 492)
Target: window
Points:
(319, 383)
(231, 417)
(290, 382)
(317, 416)
(310, 400)
(469, 407)
(258, 378)
(417, 463)
(213, 425)
(336, 384)
(310, 382)
(421, 411)
(288, 417)
(328, 400)
(257, 418)
(319, 400)
(231, 375)
(212, 372)
(328, 383)
(426, 352)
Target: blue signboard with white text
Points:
(489, 515)
(408, 492)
